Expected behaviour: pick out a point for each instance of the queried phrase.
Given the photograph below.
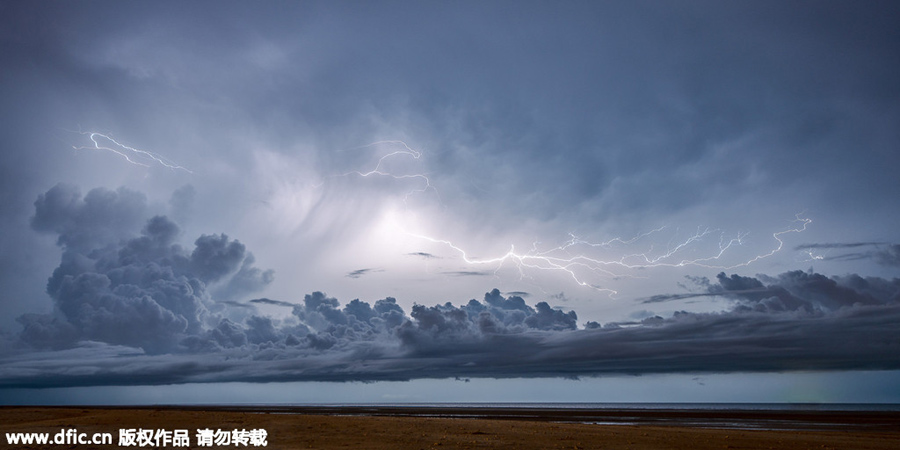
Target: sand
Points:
(325, 430)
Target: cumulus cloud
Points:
(143, 309)
(215, 256)
(101, 217)
(792, 321)
(247, 280)
(121, 287)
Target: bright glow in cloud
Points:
(379, 170)
(570, 260)
(586, 263)
(589, 150)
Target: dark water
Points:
(626, 406)
(762, 416)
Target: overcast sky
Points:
(535, 192)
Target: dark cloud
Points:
(511, 303)
(237, 304)
(548, 318)
(884, 254)
(215, 256)
(267, 301)
(889, 256)
(724, 99)
(561, 297)
(101, 217)
(795, 291)
(143, 290)
(598, 116)
(836, 245)
(247, 280)
(360, 272)
(423, 255)
(857, 256)
(659, 298)
(466, 273)
(792, 321)
(45, 331)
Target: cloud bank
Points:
(884, 254)
(132, 306)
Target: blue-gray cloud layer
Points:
(613, 108)
(137, 309)
(614, 116)
(883, 253)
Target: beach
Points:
(448, 428)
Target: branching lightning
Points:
(128, 153)
(378, 170)
(562, 258)
(574, 257)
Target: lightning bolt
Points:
(813, 256)
(127, 152)
(576, 255)
(379, 171)
(562, 259)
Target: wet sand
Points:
(475, 428)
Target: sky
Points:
(641, 201)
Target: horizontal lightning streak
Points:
(127, 152)
(567, 259)
(550, 260)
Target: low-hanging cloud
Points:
(831, 245)
(467, 273)
(884, 254)
(144, 310)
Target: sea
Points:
(747, 416)
(630, 405)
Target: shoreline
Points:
(721, 418)
(421, 428)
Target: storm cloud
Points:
(140, 311)
(362, 178)
(123, 287)
(805, 322)
(889, 256)
(836, 245)
(884, 253)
